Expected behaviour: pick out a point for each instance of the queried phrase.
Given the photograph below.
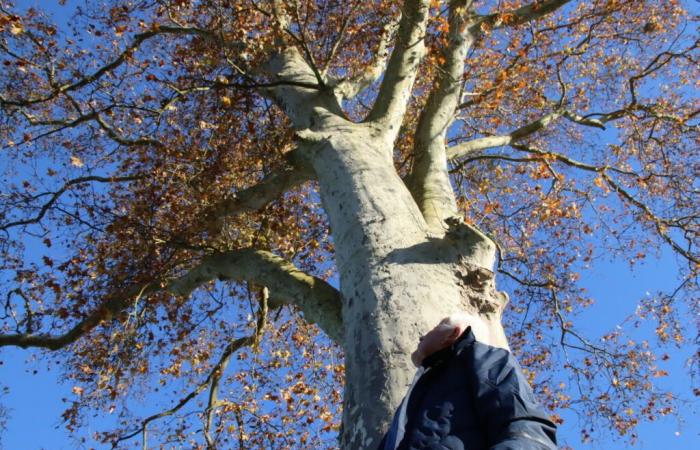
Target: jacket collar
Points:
(439, 357)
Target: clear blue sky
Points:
(35, 399)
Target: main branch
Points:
(429, 181)
(319, 301)
(402, 68)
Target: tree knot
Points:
(478, 287)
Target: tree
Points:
(183, 161)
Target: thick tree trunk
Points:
(396, 281)
(398, 278)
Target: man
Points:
(467, 395)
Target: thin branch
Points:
(116, 137)
(302, 42)
(107, 309)
(566, 329)
(349, 88)
(339, 38)
(480, 96)
(55, 196)
(118, 61)
(220, 366)
(570, 161)
(478, 157)
(215, 376)
(660, 224)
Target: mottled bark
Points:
(396, 280)
(318, 300)
(429, 180)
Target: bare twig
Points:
(55, 196)
(138, 40)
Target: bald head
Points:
(447, 332)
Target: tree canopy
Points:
(162, 231)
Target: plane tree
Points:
(253, 208)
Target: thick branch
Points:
(469, 147)
(402, 68)
(298, 92)
(429, 181)
(348, 88)
(268, 189)
(319, 301)
(587, 121)
(524, 14)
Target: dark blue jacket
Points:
(471, 397)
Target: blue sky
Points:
(35, 392)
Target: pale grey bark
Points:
(298, 98)
(429, 180)
(318, 300)
(401, 71)
(396, 281)
(466, 148)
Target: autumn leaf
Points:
(16, 28)
(75, 161)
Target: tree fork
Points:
(396, 278)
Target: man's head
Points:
(449, 330)
(442, 336)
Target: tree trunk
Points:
(396, 280)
